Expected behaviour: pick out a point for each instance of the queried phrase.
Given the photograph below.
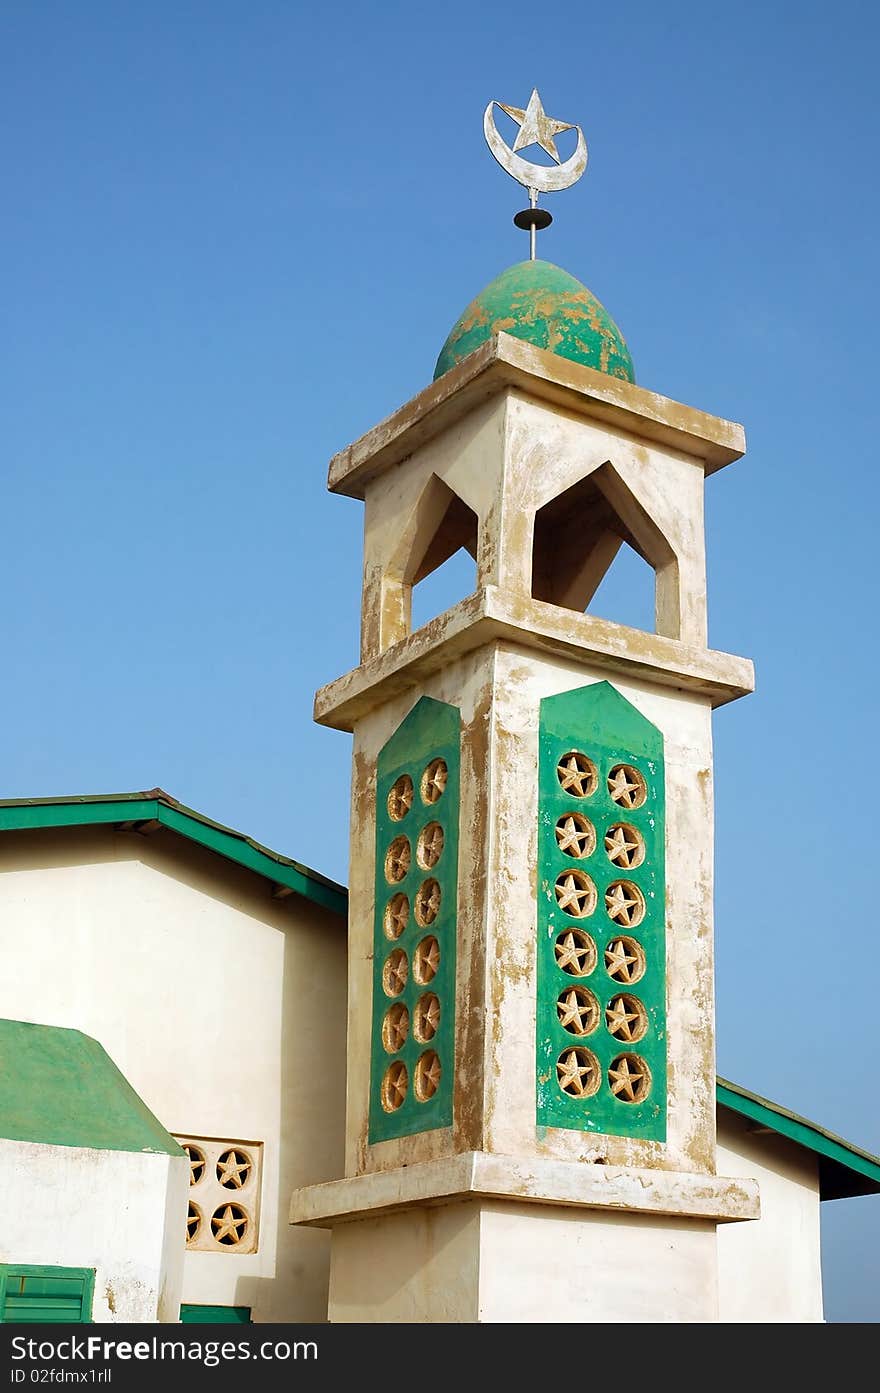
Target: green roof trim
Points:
(844, 1170)
(60, 1087)
(155, 805)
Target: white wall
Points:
(224, 1008)
(119, 1212)
(770, 1269)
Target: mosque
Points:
(479, 1084)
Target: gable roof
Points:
(138, 810)
(844, 1169)
(60, 1087)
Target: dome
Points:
(544, 305)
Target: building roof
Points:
(156, 807)
(544, 305)
(844, 1169)
(61, 1088)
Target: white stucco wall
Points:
(223, 1007)
(770, 1269)
(118, 1212)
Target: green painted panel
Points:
(589, 734)
(60, 1087)
(215, 1315)
(415, 923)
(46, 1295)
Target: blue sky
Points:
(235, 236)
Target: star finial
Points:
(535, 127)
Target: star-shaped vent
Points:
(394, 1086)
(576, 893)
(229, 1224)
(626, 1019)
(428, 1073)
(429, 848)
(625, 904)
(400, 798)
(426, 1017)
(575, 952)
(196, 1163)
(577, 1073)
(434, 781)
(427, 902)
(426, 960)
(397, 860)
(395, 972)
(395, 1028)
(624, 960)
(233, 1169)
(575, 835)
(627, 786)
(578, 1011)
(629, 1078)
(624, 846)
(577, 774)
(193, 1222)
(396, 915)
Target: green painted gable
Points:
(61, 1088)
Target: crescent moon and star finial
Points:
(535, 128)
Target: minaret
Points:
(531, 1049)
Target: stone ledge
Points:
(480, 1175)
(493, 614)
(505, 362)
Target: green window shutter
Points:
(416, 889)
(215, 1315)
(46, 1295)
(601, 972)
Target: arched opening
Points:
(594, 549)
(441, 567)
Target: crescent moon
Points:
(543, 178)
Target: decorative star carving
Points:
(196, 1164)
(575, 894)
(625, 786)
(621, 961)
(428, 902)
(623, 846)
(193, 1222)
(394, 1085)
(576, 774)
(229, 1224)
(233, 1169)
(434, 780)
(574, 835)
(431, 845)
(623, 904)
(398, 859)
(400, 798)
(576, 1011)
(575, 1073)
(575, 953)
(426, 960)
(624, 1020)
(395, 972)
(428, 1075)
(628, 1078)
(427, 1017)
(536, 128)
(396, 915)
(395, 1028)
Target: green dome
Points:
(544, 305)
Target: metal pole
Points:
(533, 231)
